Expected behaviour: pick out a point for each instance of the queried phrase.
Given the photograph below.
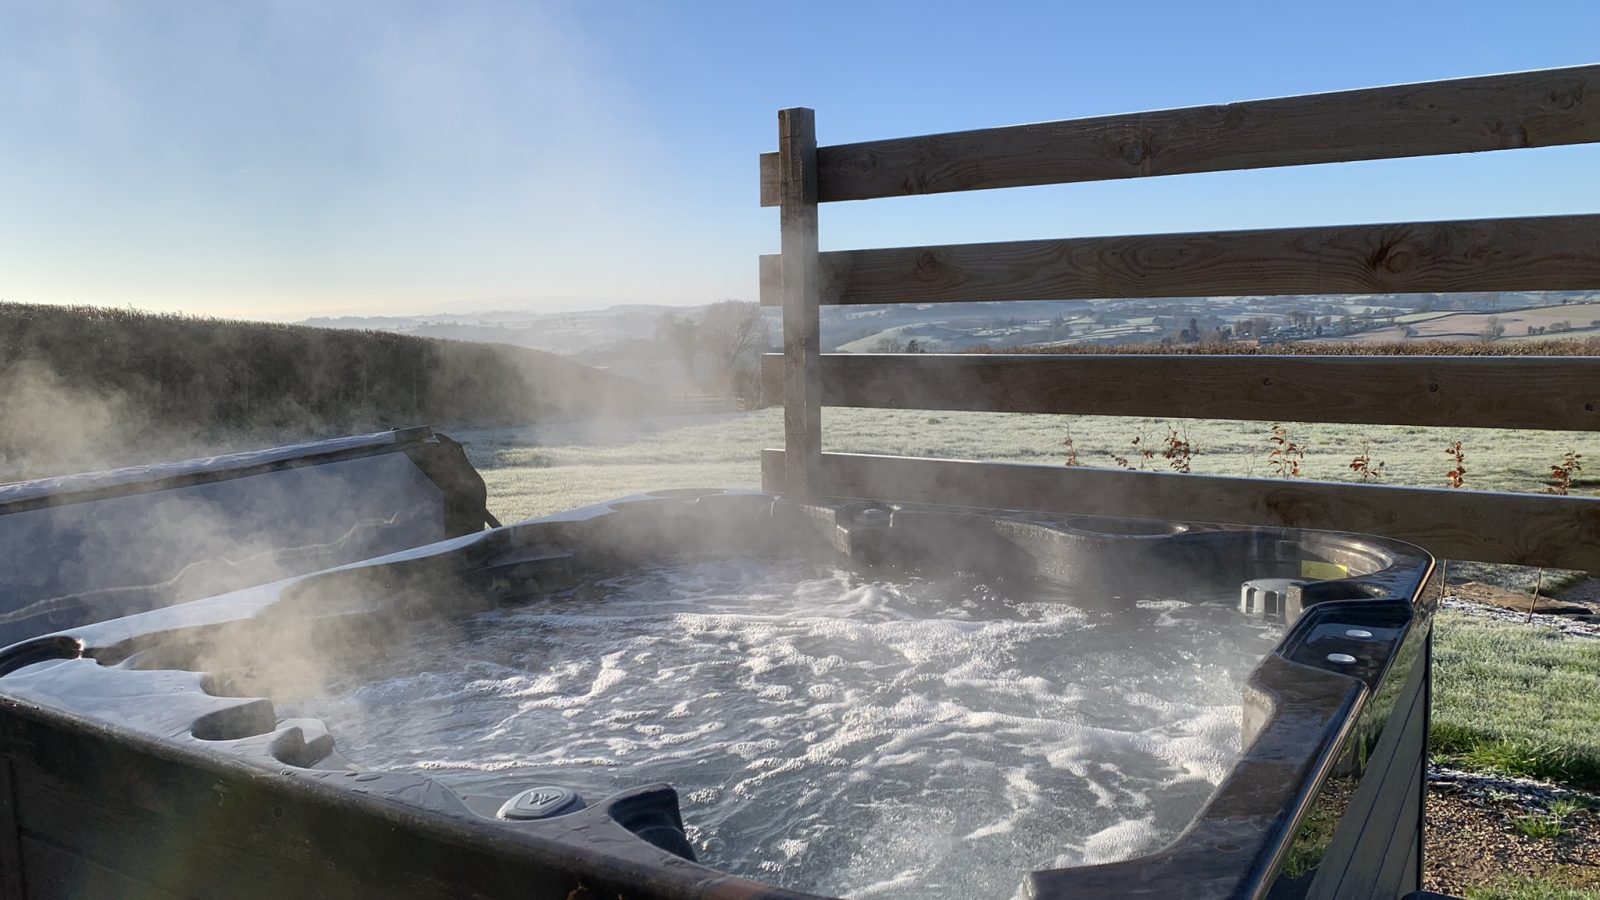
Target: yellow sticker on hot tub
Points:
(1321, 571)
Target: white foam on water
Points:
(828, 733)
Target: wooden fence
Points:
(1550, 253)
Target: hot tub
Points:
(81, 548)
(731, 694)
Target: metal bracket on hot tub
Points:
(1267, 598)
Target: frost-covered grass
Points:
(540, 470)
(1517, 699)
(532, 471)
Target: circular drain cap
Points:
(541, 803)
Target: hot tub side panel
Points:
(87, 548)
(93, 812)
(1362, 836)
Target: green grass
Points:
(1563, 883)
(1539, 826)
(1550, 824)
(1517, 699)
(1561, 809)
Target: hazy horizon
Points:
(284, 159)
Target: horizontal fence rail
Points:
(1551, 393)
(1544, 253)
(1498, 112)
(1548, 253)
(1521, 529)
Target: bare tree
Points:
(679, 334)
(732, 332)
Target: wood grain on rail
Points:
(1543, 108)
(1552, 393)
(800, 292)
(1522, 529)
(1542, 253)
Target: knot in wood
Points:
(1392, 256)
(1565, 99)
(858, 163)
(928, 266)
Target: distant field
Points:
(1423, 316)
(1576, 332)
(534, 471)
(1468, 325)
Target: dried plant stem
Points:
(1538, 584)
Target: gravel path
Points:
(1473, 839)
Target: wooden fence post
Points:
(1546, 108)
(802, 366)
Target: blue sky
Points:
(283, 159)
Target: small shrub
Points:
(1072, 451)
(1285, 457)
(1146, 454)
(1178, 451)
(1457, 476)
(1141, 449)
(1364, 466)
(1561, 473)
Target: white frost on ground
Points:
(1565, 624)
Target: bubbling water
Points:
(828, 733)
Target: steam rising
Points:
(826, 733)
(49, 427)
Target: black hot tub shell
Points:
(83, 548)
(134, 767)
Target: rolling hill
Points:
(72, 377)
